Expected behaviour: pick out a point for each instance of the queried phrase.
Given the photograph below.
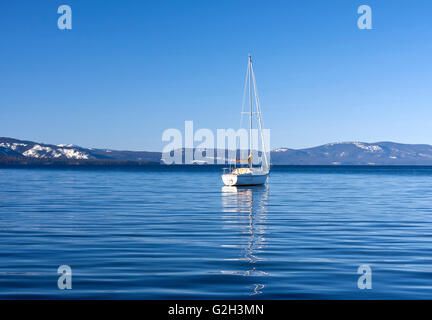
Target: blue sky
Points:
(128, 70)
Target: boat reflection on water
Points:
(244, 211)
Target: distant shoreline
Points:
(18, 162)
(103, 164)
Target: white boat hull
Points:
(244, 179)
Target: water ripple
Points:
(180, 234)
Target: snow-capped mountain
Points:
(339, 153)
(349, 153)
(356, 153)
(30, 149)
(39, 150)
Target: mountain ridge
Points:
(336, 153)
(357, 153)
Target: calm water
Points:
(177, 233)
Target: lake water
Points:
(176, 233)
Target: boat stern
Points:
(229, 179)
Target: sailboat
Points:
(250, 175)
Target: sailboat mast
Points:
(250, 121)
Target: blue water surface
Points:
(177, 233)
